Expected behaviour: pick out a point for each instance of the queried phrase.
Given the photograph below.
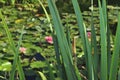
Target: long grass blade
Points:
(103, 43)
(46, 13)
(86, 44)
(59, 64)
(94, 45)
(16, 61)
(42, 75)
(116, 52)
(19, 66)
(119, 74)
(59, 72)
(104, 7)
(62, 41)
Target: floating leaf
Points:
(38, 64)
(6, 66)
(19, 21)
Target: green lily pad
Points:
(38, 64)
(6, 66)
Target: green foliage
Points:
(16, 62)
(104, 50)
(63, 44)
(92, 58)
(5, 66)
(115, 56)
(38, 64)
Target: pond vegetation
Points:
(34, 48)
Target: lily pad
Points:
(38, 64)
(6, 66)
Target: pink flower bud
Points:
(89, 34)
(22, 50)
(49, 39)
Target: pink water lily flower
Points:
(22, 49)
(49, 39)
(89, 34)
